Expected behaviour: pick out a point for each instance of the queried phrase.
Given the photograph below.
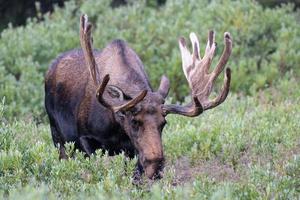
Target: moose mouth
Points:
(153, 169)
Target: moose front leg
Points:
(85, 145)
(62, 152)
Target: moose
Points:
(104, 100)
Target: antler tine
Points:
(130, 104)
(209, 51)
(86, 45)
(124, 107)
(196, 46)
(224, 92)
(192, 110)
(210, 41)
(101, 90)
(225, 56)
(185, 57)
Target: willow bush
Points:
(265, 44)
(245, 149)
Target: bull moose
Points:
(104, 100)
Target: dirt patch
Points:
(213, 169)
(218, 171)
(183, 171)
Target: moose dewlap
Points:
(103, 99)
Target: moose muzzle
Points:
(151, 158)
(153, 168)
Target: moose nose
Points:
(153, 167)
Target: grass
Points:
(247, 148)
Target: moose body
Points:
(74, 111)
(103, 99)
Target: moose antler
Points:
(86, 45)
(196, 71)
(130, 104)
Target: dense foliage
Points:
(265, 44)
(17, 11)
(247, 148)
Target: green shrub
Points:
(265, 44)
(273, 3)
(246, 149)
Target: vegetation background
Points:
(247, 148)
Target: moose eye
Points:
(135, 123)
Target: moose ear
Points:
(164, 86)
(115, 92)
